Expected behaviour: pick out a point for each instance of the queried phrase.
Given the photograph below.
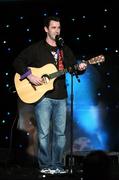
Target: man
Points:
(50, 110)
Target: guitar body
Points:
(29, 93)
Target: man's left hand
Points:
(82, 66)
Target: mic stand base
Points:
(70, 171)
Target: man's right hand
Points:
(35, 80)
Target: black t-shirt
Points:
(40, 54)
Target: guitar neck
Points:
(57, 74)
(94, 60)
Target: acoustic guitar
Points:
(30, 93)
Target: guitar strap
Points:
(60, 59)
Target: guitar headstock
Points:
(97, 59)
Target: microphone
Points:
(59, 41)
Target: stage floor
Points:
(27, 168)
(22, 173)
(16, 172)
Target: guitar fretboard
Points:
(57, 74)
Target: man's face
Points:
(53, 29)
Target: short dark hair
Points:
(50, 18)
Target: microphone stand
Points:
(71, 128)
(71, 160)
(71, 164)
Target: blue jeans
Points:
(51, 123)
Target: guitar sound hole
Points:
(46, 78)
